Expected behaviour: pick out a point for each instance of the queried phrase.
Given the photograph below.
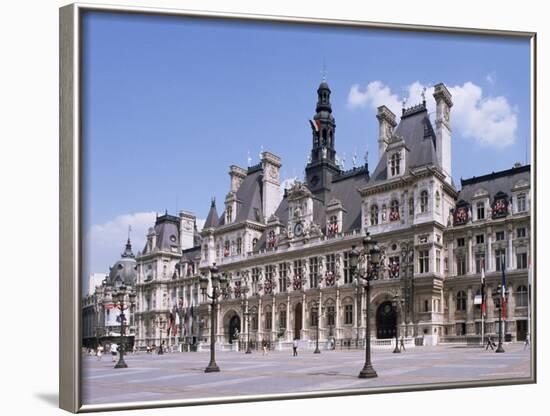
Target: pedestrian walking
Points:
(402, 343)
(114, 351)
(490, 343)
(264, 347)
(295, 348)
(99, 352)
(527, 342)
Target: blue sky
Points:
(170, 103)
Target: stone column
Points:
(470, 254)
(451, 312)
(260, 319)
(357, 312)
(219, 324)
(491, 313)
(451, 259)
(511, 257)
(289, 334)
(273, 312)
(469, 311)
(320, 316)
(337, 315)
(488, 255)
(363, 315)
(303, 332)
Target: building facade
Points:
(287, 259)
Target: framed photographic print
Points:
(258, 207)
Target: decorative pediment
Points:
(480, 193)
(299, 191)
(499, 207)
(461, 213)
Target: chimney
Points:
(236, 175)
(386, 120)
(187, 229)
(271, 195)
(443, 100)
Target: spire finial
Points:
(367, 157)
(324, 72)
(261, 151)
(354, 159)
(213, 202)
(424, 95)
(129, 231)
(248, 159)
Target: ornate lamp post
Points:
(363, 265)
(407, 256)
(317, 309)
(218, 285)
(161, 324)
(397, 303)
(246, 314)
(497, 299)
(121, 306)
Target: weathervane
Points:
(354, 159)
(324, 72)
(424, 94)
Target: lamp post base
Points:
(212, 368)
(317, 351)
(368, 372)
(396, 350)
(121, 364)
(499, 348)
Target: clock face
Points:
(298, 229)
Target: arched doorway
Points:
(386, 321)
(234, 328)
(297, 320)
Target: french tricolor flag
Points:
(315, 125)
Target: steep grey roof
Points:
(417, 131)
(212, 217)
(249, 198)
(167, 230)
(494, 182)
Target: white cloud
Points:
(105, 242)
(491, 121)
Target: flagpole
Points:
(482, 303)
(529, 301)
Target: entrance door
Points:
(386, 322)
(234, 328)
(521, 330)
(297, 321)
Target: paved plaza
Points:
(177, 376)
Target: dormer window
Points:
(228, 214)
(394, 210)
(480, 209)
(521, 205)
(333, 226)
(271, 239)
(374, 215)
(394, 164)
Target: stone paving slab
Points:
(177, 376)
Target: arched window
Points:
(226, 248)
(521, 296)
(374, 215)
(394, 210)
(424, 201)
(411, 206)
(254, 243)
(461, 301)
(324, 137)
(394, 164)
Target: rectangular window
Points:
(283, 276)
(255, 279)
(480, 210)
(480, 262)
(313, 272)
(424, 261)
(500, 235)
(460, 266)
(330, 316)
(298, 271)
(426, 306)
(521, 232)
(521, 259)
(480, 239)
(522, 206)
(330, 263)
(446, 264)
(500, 258)
(348, 277)
(460, 242)
(348, 314)
(313, 317)
(438, 261)
(268, 318)
(282, 319)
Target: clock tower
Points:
(322, 162)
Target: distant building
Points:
(293, 253)
(101, 317)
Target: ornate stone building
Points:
(292, 253)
